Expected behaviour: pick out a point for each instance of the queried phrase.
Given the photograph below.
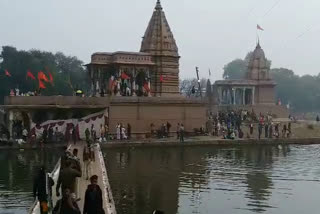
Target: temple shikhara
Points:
(153, 71)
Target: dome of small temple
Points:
(258, 59)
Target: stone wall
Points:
(141, 116)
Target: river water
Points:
(224, 180)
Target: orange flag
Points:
(41, 85)
(29, 74)
(42, 76)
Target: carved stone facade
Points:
(154, 71)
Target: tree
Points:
(67, 71)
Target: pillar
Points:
(10, 123)
(234, 96)
(244, 96)
(149, 85)
(253, 95)
(134, 83)
(118, 88)
(97, 88)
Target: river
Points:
(224, 180)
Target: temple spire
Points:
(158, 5)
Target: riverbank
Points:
(205, 140)
(192, 141)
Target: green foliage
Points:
(237, 69)
(68, 72)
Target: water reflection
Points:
(194, 180)
(17, 168)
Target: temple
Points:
(154, 71)
(257, 88)
(255, 92)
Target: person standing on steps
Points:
(181, 134)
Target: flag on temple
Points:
(41, 85)
(260, 28)
(124, 76)
(42, 76)
(161, 78)
(146, 86)
(7, 73)
(51, 78)
(209, 72)
(29, 74)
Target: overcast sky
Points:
(209, 33)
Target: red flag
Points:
(146, 86)
(7, 73)
(29, 74)
(124, 76)
(260, 28)
(42, 76)
(161, 78)
(51, 78)
(41, 85)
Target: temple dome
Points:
(158, 38)
(258, 59)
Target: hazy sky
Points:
(209, 33)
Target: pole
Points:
(197, 71)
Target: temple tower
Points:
(158, 41)
(258, 65)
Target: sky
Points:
(209, 33)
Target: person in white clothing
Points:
(118, 132)
(123, 133)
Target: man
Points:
(93, 198)
(168, 129)
(181, 134)
(50, 135)
(75, 160)
(129, 131)
(260, 130)
(44, 135)
(178, 131)
(40, 189)
(87, 133)
(251, 128)
(266, 130)
(67, 178)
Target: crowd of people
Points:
(240, 124)
(164, 131)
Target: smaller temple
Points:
(257, 89)
(121, 73)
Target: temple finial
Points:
(158, 5)
(258, 43)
